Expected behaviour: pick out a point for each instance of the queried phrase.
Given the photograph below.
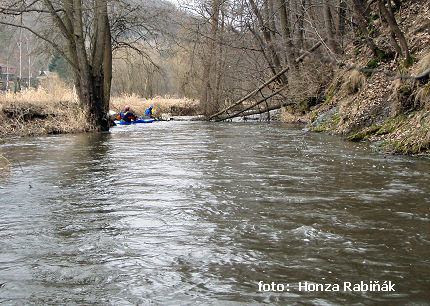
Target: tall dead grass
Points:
(423, 64)
(50, 109)
(423, 94)
(170, 105)
(354, 82)
(53, 108)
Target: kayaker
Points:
(148, 112)
(127, 115)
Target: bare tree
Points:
(386, 12)
(208, 64)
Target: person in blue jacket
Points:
(148, 112)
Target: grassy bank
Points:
(162, 105)
(46, 110)
(53, 108)
(393, 114)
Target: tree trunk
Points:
(264, 48)
(220, 63)
(268, 39)
(286, 33)
(342, 20)
(208, 105)
(92, 75)
(301, 24)
(331, 41)
(362, 19)
(388, 15)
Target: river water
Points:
(185, 213)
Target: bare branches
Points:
(422, 77)
(20, 7)
(265, 84)
(44, 38)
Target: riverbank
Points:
(169, 106)
(41, 111)
(55, 110)
(372, 104)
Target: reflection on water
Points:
(185, 213)
(5, 168)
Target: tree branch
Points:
(53, 44)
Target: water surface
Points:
(199, 213)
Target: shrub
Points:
(354, 82)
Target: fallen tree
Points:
(240, 113)
(265, 110)
(265, 84)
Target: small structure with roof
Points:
(7, 74)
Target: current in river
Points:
(192, 213)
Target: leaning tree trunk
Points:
(363, 20)
(394, 27)
(208, 62)
(286, 33)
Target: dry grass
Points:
(354, 82)
(162, 105)
(51, 109)
(422, 97)
(423, 64)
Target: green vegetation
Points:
(326, 122)
(408, 62)
(332, 90)
(387, 127)
(364, 134)
(60, 66)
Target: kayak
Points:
(140, 120)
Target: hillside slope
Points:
(374, 103)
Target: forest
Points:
(233, 58)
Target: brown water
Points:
(183, 213)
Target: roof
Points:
(3, 65)
(9, 69)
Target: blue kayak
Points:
(140, 120)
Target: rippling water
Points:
(199, 213)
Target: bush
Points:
(355, 82)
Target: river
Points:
(185, 213)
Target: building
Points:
(7, 73)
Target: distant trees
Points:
(84, 33)
(60, 66)
(85, 43)
(262, 37)
(213, 50)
